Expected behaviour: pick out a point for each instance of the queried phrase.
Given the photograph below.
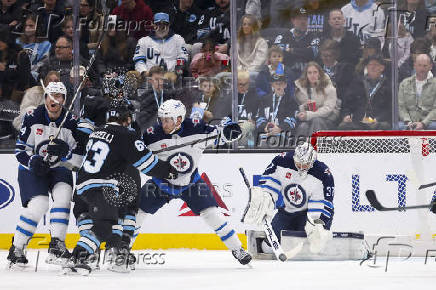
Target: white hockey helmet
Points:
(55, 88)
(304, 157)
(172, 109)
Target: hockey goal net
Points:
(415, 142)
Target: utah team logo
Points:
(295, 195)
(181, 161)
(7, 193)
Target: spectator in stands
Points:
(431, 36)
(254, 7)
(90, 23)
(367, 104)
(413, 15)
(421, 45)
(264, 79)
(364, 18)
(163, 48)
(68, 30)
(247, 109)
(138, 15)
(10, 13)
(50, 17)
(153, 97)
(215, 23)
(15, 76)
(252, 48)
(403, 44)
(116, 52)
(299, 45)
(317, 100)
(349, 44)
(279, 12)
(34, 97)
(62, 61)
(208, 63)
(417, 97)
(186, 20)
(371, 47)
(210, 101)
(276, 111)
(166, 6)
(36, 48)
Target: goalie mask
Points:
(304, 157)
(172, 109)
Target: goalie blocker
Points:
(343, 246)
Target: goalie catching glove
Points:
(261, 204)
(317, 235)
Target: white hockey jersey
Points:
(294, 194)
(185, 158)
(366, 21)
(151, 51)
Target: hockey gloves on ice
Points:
(58, 148)
(38, 166)
(232, 132)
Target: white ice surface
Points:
(219, 270)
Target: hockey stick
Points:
(185, 144)
(270, 235)
(372, 198)
(84, 77)
(427, 185)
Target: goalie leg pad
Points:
(215, 219)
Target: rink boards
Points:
(394, 177)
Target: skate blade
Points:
(78, 270)
(16, 266)
(119, 269)
(56, 261)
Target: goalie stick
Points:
(427, 185)
(372, 198)
(270, 235)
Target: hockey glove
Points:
(232, 132)
(260, 205)
(172, 173)
(433, 208)
(58, 148)
(38, 166)
(317, 235)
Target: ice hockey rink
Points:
(193, 269)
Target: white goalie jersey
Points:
(151, 51)
(295, 193)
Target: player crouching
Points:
(302, 190)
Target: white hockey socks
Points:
(29, 220)
(60, 211)
(215, 219)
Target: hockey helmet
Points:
(120, 108)
(55, 88)
(172, 109)
(304, 157)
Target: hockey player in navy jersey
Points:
(38, 177)
(103, 185)
(302, 190)
(172, 130)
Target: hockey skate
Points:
(16, 258)
(78, 263)
(58, 254)
(117, 260)
(242, 256)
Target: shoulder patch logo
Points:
(288, 175)
(327, 171)
(39, 131)
(150, 130)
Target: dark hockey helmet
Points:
(120, 109)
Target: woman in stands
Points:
(317, 100)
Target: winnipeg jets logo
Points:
(295, 195)
(150, 130)
(181, 161)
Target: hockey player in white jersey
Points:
(365, 18)
(302, 190)
(37, 176)
(174, 130)
(162, 48)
